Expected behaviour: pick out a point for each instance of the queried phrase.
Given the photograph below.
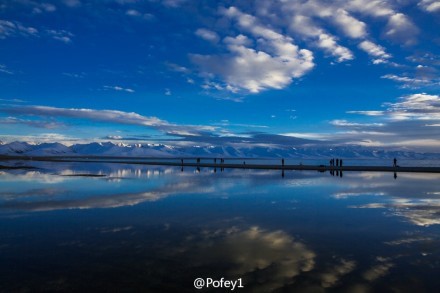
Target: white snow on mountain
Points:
(161, 150)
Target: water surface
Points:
(133, 228)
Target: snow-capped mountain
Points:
(161, 150)
(15, 148)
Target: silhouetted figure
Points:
(337, 162)
(282, 162)
(340, 163)
(395, 175)
(198, 160)
(244, 163)
(395, 162)
(215, 160)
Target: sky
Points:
(282, 72)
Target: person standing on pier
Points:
(395, 162)
(282, 162)
(337, 162)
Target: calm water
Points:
(157, 229)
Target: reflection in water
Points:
(156, 229)
(337, 173)
(331, 277)
(266, 260)
(414, 197)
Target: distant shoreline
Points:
(299, 167)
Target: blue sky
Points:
(221, 72)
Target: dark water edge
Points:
(156, 229)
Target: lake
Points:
(108, 227)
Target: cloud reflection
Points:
(332, 276)
(272, 259)
(413, 197)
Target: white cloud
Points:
(367, 113)
(177, 68)
(345, 123)
(14, 28)
(351, 26)
(270, 28)
(401, 30)
(115, 137)
(273, 65)
(72, 3)
(119, 89)
(207, 35)
(305, 26)
(173, 3)
(328, 43)
(410, 121)
(430, 5)
(33, 123)
(416, 106)
(376, 8)
(138, 14)
(61, 35)
(376, 51)
(111, 116)
(409, 82)
(133, 12)
(5, 69)
(75, 75)
(97, 115)
(44, 7)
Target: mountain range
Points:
(162, 150)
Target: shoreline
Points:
(298, 167)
